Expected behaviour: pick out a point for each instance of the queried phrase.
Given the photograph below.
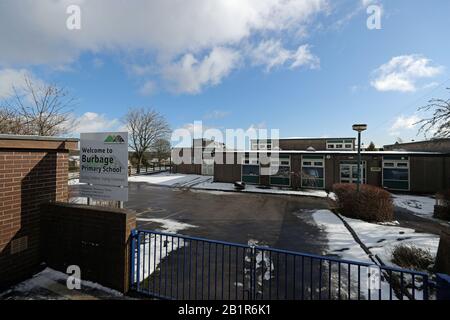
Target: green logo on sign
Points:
(114, 139)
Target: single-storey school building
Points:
(321, 162)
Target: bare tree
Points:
(10, 122)
(161, 148)
(41, 109)
(145, 127)
(439, 120)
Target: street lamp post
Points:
(359, 128)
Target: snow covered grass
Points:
(381, 239)
(205, 183)
(420, 205)
(340, 240)
(170, 180)
(222, 186)
(51, 284)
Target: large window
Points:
(250, 169)
(283, 175)
(313, 172)
(396, 173)
(340, 144)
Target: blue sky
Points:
(307, 68)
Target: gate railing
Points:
(172, 266)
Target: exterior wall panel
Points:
(426, 174)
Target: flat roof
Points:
(439, 140)
(35, 138)
(338, 152)
(308, 138)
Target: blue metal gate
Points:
(171, 266)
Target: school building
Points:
(319, 163)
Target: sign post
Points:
(104, 165)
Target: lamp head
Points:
(359, 127)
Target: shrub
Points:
(411, 257)
(370, 204)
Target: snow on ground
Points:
(168, 225)
(205, 183)
(332, 196)
(155, 247)
(340, 240)
(73, 182)
(423, 206)
(78, 200)
(381, 239)
(170, 180)
(208, 185)
(51, 284)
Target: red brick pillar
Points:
(33, 171)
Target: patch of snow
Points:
(204, 183)
(48, 278)
(78, 200)
(155, 247)
(381, 239)
(222, 186)
(168, 225)
(332, 196)
(169, 179)
(340, 240)
(423, 206)
(389, 223)
(73, 182)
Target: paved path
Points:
(269, 219)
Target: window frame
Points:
(280, 165)
(313, 160)
(395, 166)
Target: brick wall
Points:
(32, 172)
(94, 238)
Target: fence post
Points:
(443, 286)
(252, 272)
(134, 234)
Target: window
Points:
(340, 144)
(396, 173)
(250, 169)
(283, 175)
(313, 172)
(261, 145)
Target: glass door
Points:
(349, 172)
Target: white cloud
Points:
(167, 26)
(304, 57)
(271, 53)
(10, 79)
(402, 73)
(35, 33)
(94, 122)
(189, 75)
(148, 88)
(403, 123)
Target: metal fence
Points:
(173, 266)
(149, 169)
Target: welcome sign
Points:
(104, 162)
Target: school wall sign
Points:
(104, 165)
